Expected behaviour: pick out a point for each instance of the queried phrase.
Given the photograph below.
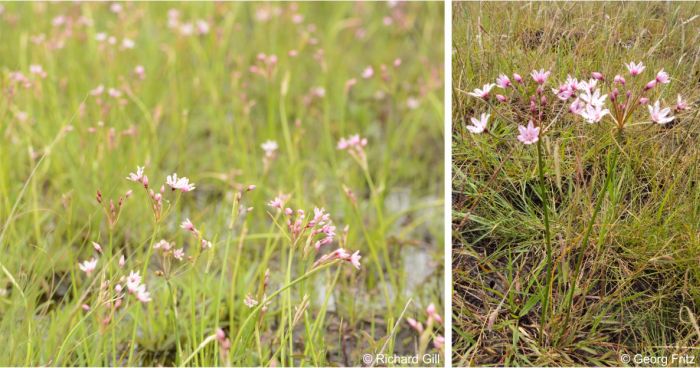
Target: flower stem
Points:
(547, 238)
(238, 343)
(586, 236)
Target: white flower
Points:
(593, 114)
(479, 125)
(88, 266)
(133, 281)
(594, 98)
(269, 147)
(484, 92)
(183, 183)
(659, 115)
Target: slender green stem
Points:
(237, 343)
(586, 236)
(547, 237)
(173, 306)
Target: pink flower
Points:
(597, 75)
(97, 91)
(138, 176)
(163, 245)
(501, 98)
(368, 72)
(128, 43)
(183, 184)
(432, 313)
(439, 342)
(529, 134)
(187, 225)
(518, 78)
(594, 113)
(97, 247)
(354, 144)
(635, 69)
(142, 295)
(113, 92)
(503, 81)
(484, 92)
(88, 266)
(659, 115)
(540, 76)
(341, 254)
(179, 254)
(594, 98)
(479, 126)
(355, 259)
(587, 85)
(572, 83)
(619, 79)
(352, 141)
(662, 77)
(643, 101)
(681, 105)
(577, 106)
(140, 71)
(133, 281)
(202, 27)
(564, 92)
(122, 261)
(249, 301)
(415, 325)
(37, 70)
(278, 202)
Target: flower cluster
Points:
(317, 231)
(265, 65)
(198, 27)
(112, 210)
(582, 98)
(182, 184)
(426, 331)
(133, 286)
(355, 145)
(342, 255)
(167, 249)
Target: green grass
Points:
(638, 288)
(200, 112)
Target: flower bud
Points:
(650, 85)
(517, 78)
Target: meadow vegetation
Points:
(209, 184)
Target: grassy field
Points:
(91, 91)
(617, 209)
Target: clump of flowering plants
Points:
(536, 105)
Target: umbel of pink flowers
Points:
(317, 230)
(583, 97)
